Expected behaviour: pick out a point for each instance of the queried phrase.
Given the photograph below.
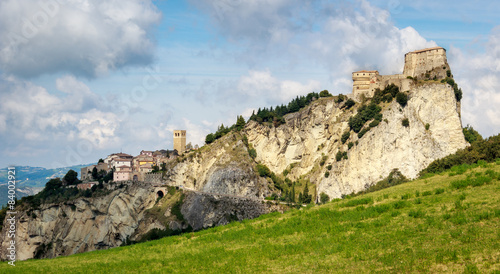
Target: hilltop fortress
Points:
(430, 63)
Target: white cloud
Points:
(84, 37)
(288, 36)
(33, 120)
(478, 74)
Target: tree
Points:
(53, 184)
(71, 178)
(325, 93)
(306, 197)
(402, 98)
(240, 123)
(210, 138)
(100, 161)
(471, 135)
(94, 173)
(349, 103)
(189, 146)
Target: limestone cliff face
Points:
(81, 225)
(316, 131)
(224, 167)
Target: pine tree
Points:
(240, 123)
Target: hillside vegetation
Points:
(445, 223)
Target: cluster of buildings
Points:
(420, 64)
(129, 168)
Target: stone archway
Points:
(160, 194)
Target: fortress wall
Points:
(417, 63)
(431, 61)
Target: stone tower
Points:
(431, 60)
(180, 141)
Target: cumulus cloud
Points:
(84, 37)
(34, 120)
(478, 74)
(340, 37)
(264, 84)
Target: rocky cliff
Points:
(221, 183)
(224, 167)
(315, 132)
(127, 213)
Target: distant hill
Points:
(31, 180)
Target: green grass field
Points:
(448, 222)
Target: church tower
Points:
(180, 141)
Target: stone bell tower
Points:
(180, 141)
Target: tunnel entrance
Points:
(160, 194)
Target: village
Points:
(126, 167)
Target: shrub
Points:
(324, 198)
(327, 174)
(427, 126)
(363, 132)
(329, 167)
(345, 136)
(323, 160)
(350, 144)
(263, 170)
(365, 113)
(416, 213)
(253, 153)
(405, 122)
(438, 191)
(176, 209)
(374, 123)
(349, 103)
(338, 156)
(426, 193)
(340, 98)
(402, 98)
(325, 93)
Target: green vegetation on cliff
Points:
(487, 150)
(438, 224)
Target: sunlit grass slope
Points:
(445, 223)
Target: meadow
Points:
(447, 222)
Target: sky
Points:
(81, 79)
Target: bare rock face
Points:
(84, 224)
(205, 210)
(224, 167)
(315, 132)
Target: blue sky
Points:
(80, 79)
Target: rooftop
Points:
(427, 49)
(367, 71)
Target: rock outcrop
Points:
(81, 225)
(315, 131)
(224, 167)
(128, 213)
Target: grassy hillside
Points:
(448, 222)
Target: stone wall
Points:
(155, 179)
(419, 62)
